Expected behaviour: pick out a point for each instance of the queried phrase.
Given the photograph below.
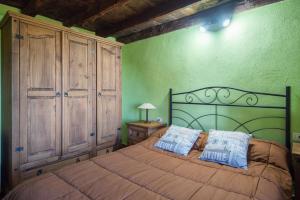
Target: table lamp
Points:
(147, 107)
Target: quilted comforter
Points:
(144, 172)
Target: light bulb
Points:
(202, 29)
(226, 22)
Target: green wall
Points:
(260, 51)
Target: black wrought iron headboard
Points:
(231, 97)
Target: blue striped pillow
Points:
(226, 147)
(179, 140)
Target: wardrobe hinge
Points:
(19, 36)
(19, 149)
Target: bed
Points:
(142, 171)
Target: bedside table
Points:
(139, 131)
(296, 168)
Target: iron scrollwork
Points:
(230, 97)
(221, 96)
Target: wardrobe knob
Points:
(58, 94)
(99, 94)
(66, 94)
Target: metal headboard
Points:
(231, 97)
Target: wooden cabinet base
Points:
(104, 151)
(24, 175)
(29, 173)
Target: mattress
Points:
(143, 172)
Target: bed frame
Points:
(230, 97)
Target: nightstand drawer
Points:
(139, 131)
(136, 134)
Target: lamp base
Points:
(147, 115)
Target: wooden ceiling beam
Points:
(31, 8)
(249, 4)
(149, 14)
(241, 5)
(17, 4)
(34, 7)
(176, 24)
(100, 8)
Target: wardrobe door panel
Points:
(108, 90)
(42, 61)
(78, 74)
(107, 120)
(41, 129)
(108, 68)
(40, 101)
(79, 61)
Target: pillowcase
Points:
(226, 147)
(177, 139)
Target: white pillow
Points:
(227, 147)
(178, 139)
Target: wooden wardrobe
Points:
(61, 97)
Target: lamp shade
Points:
(147, 106)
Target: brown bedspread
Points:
(143, 172)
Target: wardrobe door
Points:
(108, 93)
(40, 99)
(79, 61)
